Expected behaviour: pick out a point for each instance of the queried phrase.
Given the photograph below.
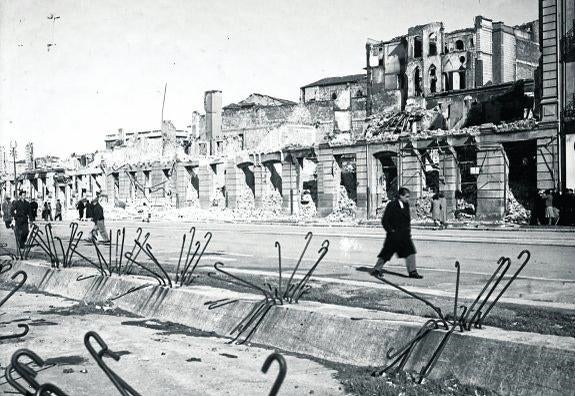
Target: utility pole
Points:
(13, 145)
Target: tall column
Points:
(261, 178)
(451, 177)
(328, 180)
(290, 175)
(491, 183)
(234, 179)
(411, 176)
(361, 174)
(547, 164)
(206, 177)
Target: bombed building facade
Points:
(466, 113)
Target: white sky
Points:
(112, 57)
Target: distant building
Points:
(428, 60)
(329, 88)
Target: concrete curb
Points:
(508, 362)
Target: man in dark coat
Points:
(21, 213)
(80, 206)
(33, 210)
(396, 221)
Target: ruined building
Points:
(473, 113)
(428, 60)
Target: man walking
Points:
(58, 215)
(98, 218)
(6, 212)
(21, 213)
(396, 221)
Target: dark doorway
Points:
(522, 157)
(347, 165)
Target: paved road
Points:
(155, 359)
(550, 276)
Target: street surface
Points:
(155, 359)
(549, 276)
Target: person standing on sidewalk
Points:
(436, 210)
(58, 215)
(98, 218)
(80, 206)
(33, 210)
(21, 213)
(6, 212)
(396, 221)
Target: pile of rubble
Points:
(520, 125)
(423, 206)
(345, 209)
(515, 212)
(389, 125)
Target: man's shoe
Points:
(377, 272)
(415, 275)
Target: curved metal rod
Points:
(219, 303)
(98, 267)
(139, 232)
(51, 244)
(308, 238)
(426, 302)
(50, 389)
(67, 257)
(477, 314)
(524, 252)
(131, 290)
(501, 262)
(458, 267)
(209, 236)
(140, 247)
(119, 383)
(219, 264)
(258, 316)
(188, 263)
(282, 372)
(151, 255)
(180, 257)
(248, 319)
(279, 247)
(425, 370)
(25, 371)
(156, 276)
(193, 232)
(81, 278)
(13, 383)
(3, 269)
(73, 248)
(24, 276)
(392, 353)
(122, 249)
(118, 233)
(30, 241)
(261, 315)
(25, 331)
(61, 248)
(322, 252)
(215, 276)
(101, 258)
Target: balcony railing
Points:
(568, 46)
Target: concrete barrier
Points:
(505, 361)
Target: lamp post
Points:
(13, 146)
